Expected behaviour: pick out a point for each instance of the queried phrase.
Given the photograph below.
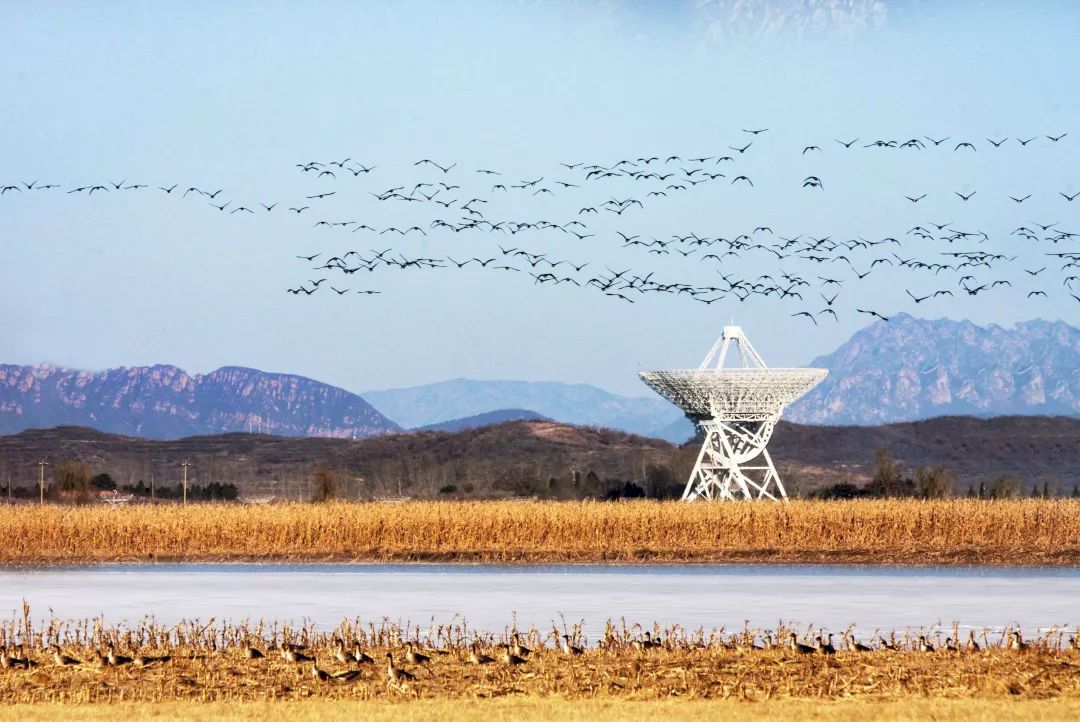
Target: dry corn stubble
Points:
(874, 531)
(206, 662)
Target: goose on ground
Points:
(972, 645)
(796, 646)
(517, 648)
(250, 652)
(647, 643)
(569, 649)
(396, 674)
(826, 647)
(1017, 642)
(341, 655)
(924, 644)
(508, 657)
(117, 660)
(61, 659)
(290, 654)
(477, 657)
(414, 657)
(10, 662)
(855, 645)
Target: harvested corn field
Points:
(859, 531)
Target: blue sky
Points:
(233, 95)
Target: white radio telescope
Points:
(737, 409)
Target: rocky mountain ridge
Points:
(163, 402)
(910, 368)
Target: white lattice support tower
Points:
(737, 410)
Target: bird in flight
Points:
(936, 142)
(872, 313)
(965, 145)
(996, 143)
(965, 197)
(743, 149)
(1056, 139)
(846, 144)
(428, 161)
(1069, 198)
(811, 147)
(1021, 200)
(742, 178)
(754, 132)
(1025, 142)
(812, 181)
(916, 200)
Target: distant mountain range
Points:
(489, 418)
(905, 369)
(580, 404)
(912, 368)
(162, 402)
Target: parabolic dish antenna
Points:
(737, 409)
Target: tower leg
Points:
(723, 469)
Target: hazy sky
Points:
(233, 95)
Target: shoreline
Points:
(914, 559)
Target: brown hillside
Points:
(543, 458)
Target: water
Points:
(487, 596)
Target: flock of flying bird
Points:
(807, 270)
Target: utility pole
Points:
(185, 466)
(41, 481)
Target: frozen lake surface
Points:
(487, 596)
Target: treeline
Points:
(75, 483)
(890, 482)
(540, 460)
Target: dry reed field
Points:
(85, 662)
(534, 709)
(869, 531)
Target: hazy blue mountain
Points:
(477, 421)
(903, 370)
(569, 403)
(912, 368)
(164, 402)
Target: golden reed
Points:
(873, 531)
